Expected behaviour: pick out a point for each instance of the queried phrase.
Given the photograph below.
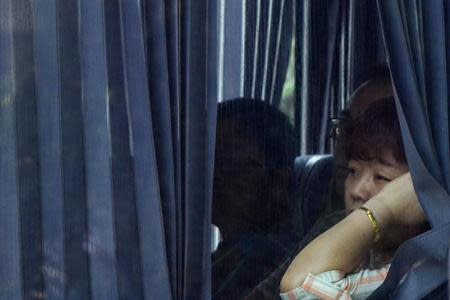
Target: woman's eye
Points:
(349, 170)
(382, 178)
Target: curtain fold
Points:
(159, 92)
(9, 231)
(256, 39)
(100, 239)
(50, 150)
(415, 38)
(76, 260)
(338, 43)
(199, 114)
(319, 62)
(155, 268)
(107, 121)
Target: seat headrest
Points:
(313, 186)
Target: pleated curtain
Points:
(107, 129)
(256, 40)
(338, 43)
(417, 41)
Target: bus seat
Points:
(313, 186)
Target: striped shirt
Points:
(337, 285)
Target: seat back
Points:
(313, 186)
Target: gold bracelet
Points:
(373, 221)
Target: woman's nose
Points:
(363, 190)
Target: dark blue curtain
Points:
(107, 128)
(417, 41)
(256, 39)
(338, 43)
(317, 34)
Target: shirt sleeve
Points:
(336, 285)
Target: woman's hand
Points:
(397, 210)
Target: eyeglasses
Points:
(337, 128)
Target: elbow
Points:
(291, 281)
(285, 285)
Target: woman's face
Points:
(366, 178)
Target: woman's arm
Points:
(343, 246)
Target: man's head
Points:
(255, 150)
(373, 143)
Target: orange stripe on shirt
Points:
(308, 286)
(373, 278)
(292, 296)
(320, 294)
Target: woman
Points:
(351, 259)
